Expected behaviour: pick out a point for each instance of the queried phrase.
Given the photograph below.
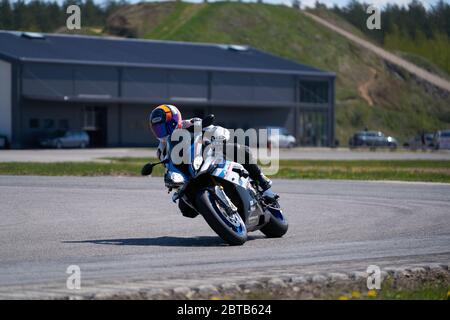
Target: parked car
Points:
(372, 139)
(416, 142)
(285, 140)
(68, 139)
(441, 139)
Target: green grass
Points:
(401, 170)
(430, 289)
(427, 292)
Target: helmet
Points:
(164, 119)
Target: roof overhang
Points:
(8, 58)
(179, 67)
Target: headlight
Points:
(197, 162)
(176, 178)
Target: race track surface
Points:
(121, 230)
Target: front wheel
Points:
(229, 226)
(278, 224)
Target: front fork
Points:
(227, 204)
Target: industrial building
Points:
(108, 86)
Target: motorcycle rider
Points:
(163, 121)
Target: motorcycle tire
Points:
(211, 212)
(277, 225)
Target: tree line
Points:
(413, 20)
(47, 16)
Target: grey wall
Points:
(228, 86)
(101, 81)
(155, 84)
(188, 84)
(164, 84)
(57, 80)
(145, 83)
(47, 80)
(245, 118)
(5, 100)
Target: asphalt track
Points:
(124, 231)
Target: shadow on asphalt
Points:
(204, 241)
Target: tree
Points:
(440, 17)
(319, 5)
(6, 15)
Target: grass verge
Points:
(402, 170)
(427, 290)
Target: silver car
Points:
(285, 140)
(372, 139)
(69, 139)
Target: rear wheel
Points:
(278, 224)
(229, 226)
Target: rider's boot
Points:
(261, 180)
(265, 185)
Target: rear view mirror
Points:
(147, 169)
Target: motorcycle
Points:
(222, 192)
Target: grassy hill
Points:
(369, 93)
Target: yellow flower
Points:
(215, 298)
(356, 295)
(343, 298)
(448, 294)
(372, 294)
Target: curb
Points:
(306, 286)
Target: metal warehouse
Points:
(108, 86)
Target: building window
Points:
(64, 124)
(49, 123)
(34, 123)
(313, 91)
